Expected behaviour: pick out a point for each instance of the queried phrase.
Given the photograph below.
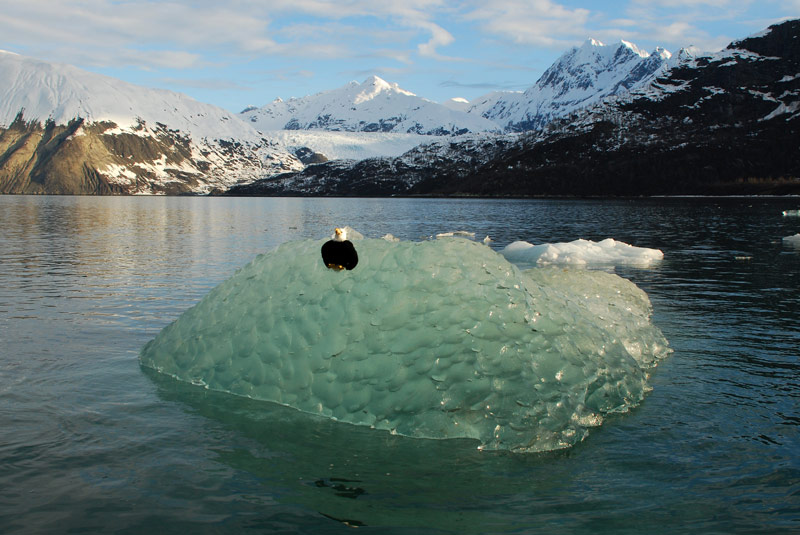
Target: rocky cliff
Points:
(97, 158)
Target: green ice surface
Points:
(436, 339)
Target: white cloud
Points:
(439, 37)
(534, 22)
(107, 26)
(679, 23)
(102, 29)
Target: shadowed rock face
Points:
(79, 159)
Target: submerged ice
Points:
(436, 339)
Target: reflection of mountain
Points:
(726, 123)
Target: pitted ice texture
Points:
(436, 339)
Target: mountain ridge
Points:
(374, 105)
(612, 109)
(69, 131)
(579, 78)
(715, 124)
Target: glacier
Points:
(438, 339)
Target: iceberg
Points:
(434, 339)
(794, 213)
(580, 253)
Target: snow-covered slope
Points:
(350, 145)
(109, 136)
(372, 106)
(582, 76)
(63, 92)
(457, 103)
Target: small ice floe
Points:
(794, 213)
(794, 241)
(581, 252)
(456, 234)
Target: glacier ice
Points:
(435, 339)
(580, 253)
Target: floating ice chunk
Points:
(457, 233)
(793, 240)
(580, 253)
(436, 339)
(795, 213)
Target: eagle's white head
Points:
(340, 234)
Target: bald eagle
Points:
(339, 253)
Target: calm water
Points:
(91, 442)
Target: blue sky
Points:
(247, 52)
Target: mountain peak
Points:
(376, 81)
(591, 43)
(633, 48)
(374, 105)
(581, 77)
(374, 86)
(662, 53)
(594, 52)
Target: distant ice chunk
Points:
(580, 253)
(433, 339)
(456, 234)
(793, 240)
(794, 213)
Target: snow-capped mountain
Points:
(580, 77)
(372, 106)
(714, 124)
(62, 92)
(66, 130)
